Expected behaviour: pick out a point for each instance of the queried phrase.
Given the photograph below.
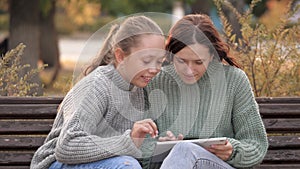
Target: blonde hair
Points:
(124, 36)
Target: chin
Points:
(189, 82)
(141, 85)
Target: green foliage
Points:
(4, 21)
(125, 7)
(270, 57)
(11, 83)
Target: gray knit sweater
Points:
(93, 121)
(220, 104)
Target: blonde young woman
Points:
(100, 122)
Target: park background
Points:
(263, 35)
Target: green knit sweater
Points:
(93, 121)
(220, 104)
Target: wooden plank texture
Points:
(15, 167)
(25, 126)
(15, 157)
(278, 166)
(282, 125)
(25, 122)
(30, 100)
(282, 156)
(280, 110)
(21, 142)
(284, 142)
(278, 100)
(28, 111)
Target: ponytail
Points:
(106, 54)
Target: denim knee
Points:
(191, 149)
(118, 162)
(130, 163)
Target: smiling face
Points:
(144, 60)
(191, 62)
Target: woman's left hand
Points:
(222, 151)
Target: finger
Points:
(180, 137)
(150, 129)
(218, 147)
(144, 129)
(139, 131)
(170, 134)
(162, 139)
(154, 126)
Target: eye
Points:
(146, 62)
(179, 60)
(199, 62)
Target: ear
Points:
(120, 55)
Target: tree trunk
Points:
(232, 18)
(49, 41)
(201, 6)
(24, 28)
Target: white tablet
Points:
(162, 149)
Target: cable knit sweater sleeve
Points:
(250, 142)
(80, 141)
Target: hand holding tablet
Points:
(162, 149)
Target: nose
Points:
(154, 68)
(189, 68)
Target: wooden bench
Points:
(26, 121)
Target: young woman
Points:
(202, 94)
(100, 122)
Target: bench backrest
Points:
(26, 121)
(24, 125)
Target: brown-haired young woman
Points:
(203, 93)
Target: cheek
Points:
(179, 67)
(202, 69)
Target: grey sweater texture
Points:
(220, 104)
(94, 121)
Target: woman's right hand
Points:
(141, 128)
(170, 137)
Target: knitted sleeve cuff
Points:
(138, 152)
(234, 144)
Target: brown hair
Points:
(198, 28)
(124, 36)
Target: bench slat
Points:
(30, 100)
(21, 142)
(282, 125)
(14, 167)
(282, 156)
(278, 100)
(279, 110)
(15, 157)
(28, 111)
(278, 166)
(40, 126)
(283, 142)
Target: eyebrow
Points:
(192, 60)
(151, 56)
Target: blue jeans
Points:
(118, 162)
(192, 156)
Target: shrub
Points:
(11, 81)
(270, 57)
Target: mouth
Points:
(147, 79)
(189, 76)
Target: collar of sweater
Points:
(111, 72)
